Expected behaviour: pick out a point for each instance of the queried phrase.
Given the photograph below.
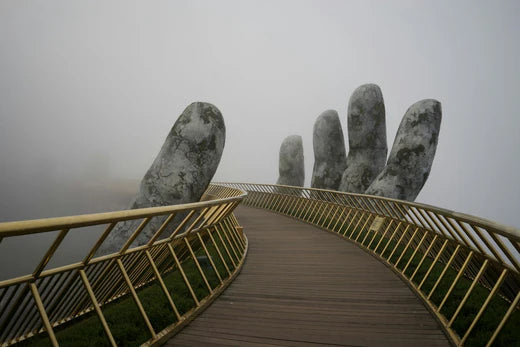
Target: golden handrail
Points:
(67, 292)
(439, 253)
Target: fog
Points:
(89, 91)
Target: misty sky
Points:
(93, 87)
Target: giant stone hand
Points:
(364, 169)
(180, 173)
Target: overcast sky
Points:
(102, 82)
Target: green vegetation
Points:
(126, 323)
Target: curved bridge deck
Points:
(302, 286)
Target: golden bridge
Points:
(255, 264)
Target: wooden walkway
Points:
(301, 286)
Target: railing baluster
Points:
(310, 210)
(406, 248)
(351, 221)
(320, 205)
(32, 316)
(466, 296)
(382, 236)
(503, 322)
(484, 305)
(194, 257)
(434, 262)
(363, 227)
(344, 221)
(446, 267)
(423, 238)
(225, 248)
(50, 252)
(43, 314)
(330, 208)
(163, 286)
(389, 259)
(454, 283)
(235, 242)
(210, 258)
(97, 308)
(423, 258)
(220, 231)
(218, 252)
(390, 240)
(342, 209)
(136, 298)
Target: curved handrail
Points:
(444, 256)
(68, 292)
(506, 230)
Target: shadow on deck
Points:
(302, 286)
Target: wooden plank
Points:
(302, 286)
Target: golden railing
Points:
(465, 269)
(45, 299)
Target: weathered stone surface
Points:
(366, 137)
(181, 172)
(412, 154)
(329, 151)
(291, 164)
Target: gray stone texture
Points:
(367, 139)
(291, 164)
(180, 173)
(329, 151)
(412, 154)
